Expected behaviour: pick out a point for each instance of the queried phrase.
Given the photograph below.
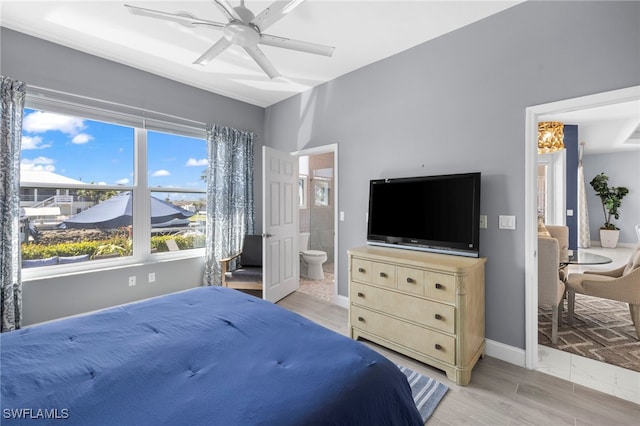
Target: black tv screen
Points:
(431, 213)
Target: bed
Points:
(205, 356)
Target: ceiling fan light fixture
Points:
(245, 14)
(241, 34)
(550, 137)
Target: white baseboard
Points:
(506, 353)
(625, 245)
(343, 301)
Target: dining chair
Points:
(621, 284)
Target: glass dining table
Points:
(580, 257)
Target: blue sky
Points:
(97, 152)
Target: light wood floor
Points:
(499, 393)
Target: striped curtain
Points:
(12, 97)
(584, 238)
(230, 204)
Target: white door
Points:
(280, 261)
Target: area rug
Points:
(427, 393)
(602, 330)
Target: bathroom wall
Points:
(317, 217)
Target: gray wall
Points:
(623, 169)
(51, 298)
(44, 64)
(457, 104)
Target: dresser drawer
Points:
(384, 274)
(425, 312)
(440, 286)
(410, 280)
(361, 270)
(430, 343)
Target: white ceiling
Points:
(362, 32)
(610, 128)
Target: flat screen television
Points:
(432, 213)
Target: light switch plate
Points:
(507, 222)
(483, 221)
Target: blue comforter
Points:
(206, 356)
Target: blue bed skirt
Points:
(206, 356)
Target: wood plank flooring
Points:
(499, 393)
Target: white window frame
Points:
(141, 121)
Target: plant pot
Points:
(609, 238)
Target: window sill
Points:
(97, 266)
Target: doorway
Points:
(567, 366)
(318, 214)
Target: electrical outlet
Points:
(152, 277)
(483, 221)
(132, 281)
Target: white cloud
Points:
(35, 142)
(38, 164)
(40, 122)
(161, 173)
(122, 181)
(192, 162)
(81, 138)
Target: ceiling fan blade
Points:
(220, 46)
(274, 13)
(172, 17)
(262, 60)
(228, 10)
(299, 45)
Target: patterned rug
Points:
(427, 392)
(602, 330)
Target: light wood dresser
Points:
(427, 306)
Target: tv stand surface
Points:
(427, 306)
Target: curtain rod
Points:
(141, 112)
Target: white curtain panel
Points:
(584, 237)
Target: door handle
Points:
(265, 235)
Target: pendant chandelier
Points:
(550, 137)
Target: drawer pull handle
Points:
(361, 270)
(360, 319)
(438, 286)
(410, 280)
(360, 294)
(438, 316)
(383, 275)
(438, 347)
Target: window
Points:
(94, 189)
(176, 175)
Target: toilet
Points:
(310, 260)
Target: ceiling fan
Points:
(243, 29)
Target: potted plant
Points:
(610, 197)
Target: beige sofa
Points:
(553, 254)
